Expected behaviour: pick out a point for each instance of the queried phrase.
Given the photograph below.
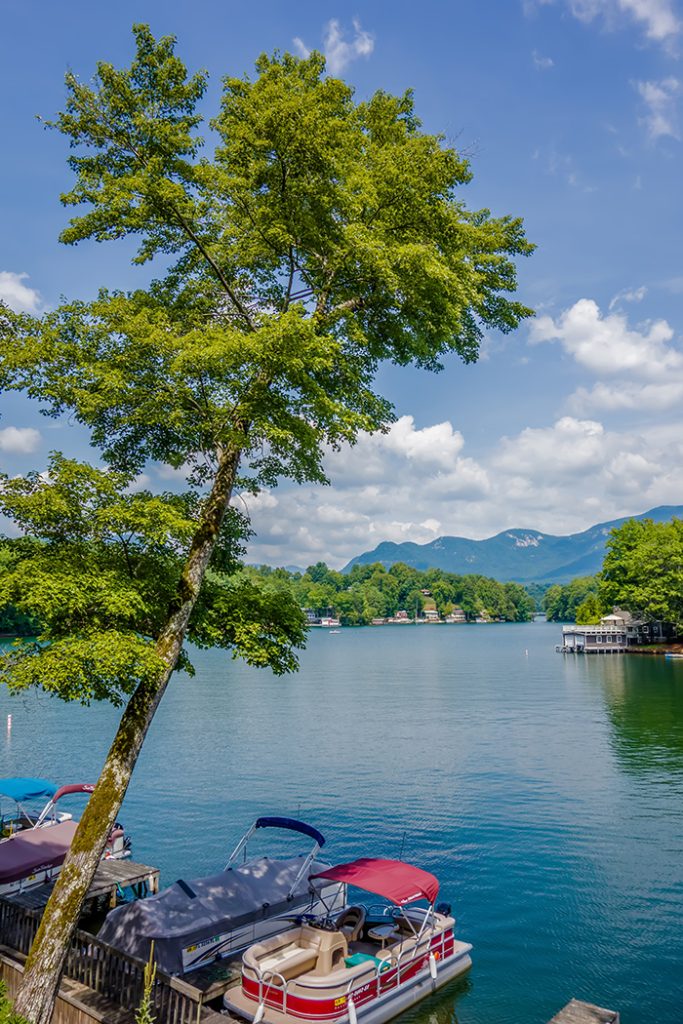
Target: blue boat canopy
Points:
(27, 789)
(293, 825)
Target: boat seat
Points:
(351, 922)
(402, 949)
(290, 961)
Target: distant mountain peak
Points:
(524, 556)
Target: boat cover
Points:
(188, 912)
(27, 789)
(401, 883)
(28, 852)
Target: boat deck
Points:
(213, 980)
(110, 877)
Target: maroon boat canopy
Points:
(34, 850)
(401, 883)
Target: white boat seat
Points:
(289, 961)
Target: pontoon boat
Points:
(363, 964)
(193, 923)
(33, 844)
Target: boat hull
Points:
(384, 1007)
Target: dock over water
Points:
(578, 1012)
(110, 878)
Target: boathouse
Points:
(614, 634)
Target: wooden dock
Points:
(578, 1012)
(110, 878)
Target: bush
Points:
(7, 1014)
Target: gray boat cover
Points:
(175, 919)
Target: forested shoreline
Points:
(642, 573)
(373, 591)
(367, 592)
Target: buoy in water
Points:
(9, 723)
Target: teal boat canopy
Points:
(27, 789)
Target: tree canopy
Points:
(643, 569)
(97, 571)
(372, 591)
(562, 600)
(321, 236)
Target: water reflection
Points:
(644, 698)
(441, 1007)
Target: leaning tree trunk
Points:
(47, 958)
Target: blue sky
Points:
(571, 114)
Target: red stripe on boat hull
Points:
(308, 1008)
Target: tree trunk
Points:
(47, 958)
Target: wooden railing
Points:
(113, 974)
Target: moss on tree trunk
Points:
(47, 958)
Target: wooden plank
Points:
(578, 1012)
(109, 876)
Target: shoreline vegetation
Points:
(373, 594)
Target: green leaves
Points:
(92, 665)
(75, 502)
(643, 569)
(98, 573)
(140, 123)
(322, 236)
(259, 619)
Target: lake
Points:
(545, 791)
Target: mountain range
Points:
(523, 556)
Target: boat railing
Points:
(358, 981)
(404, 960)
(262, 975)
(381, 909)
(414, 953)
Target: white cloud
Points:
(19, 440)
(559, 479)
(18, 295)
(558, 451)
(542, 63)
(339, 49)
(141, 483)
(628, 295)
(606, 344)
(564, 166)
(300, 47)
(657, 18)
(660, 100)
(627, 396)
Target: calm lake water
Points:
(545, 791)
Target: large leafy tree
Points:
(643, 569)
(321, 236)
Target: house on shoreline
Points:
(614, 634)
